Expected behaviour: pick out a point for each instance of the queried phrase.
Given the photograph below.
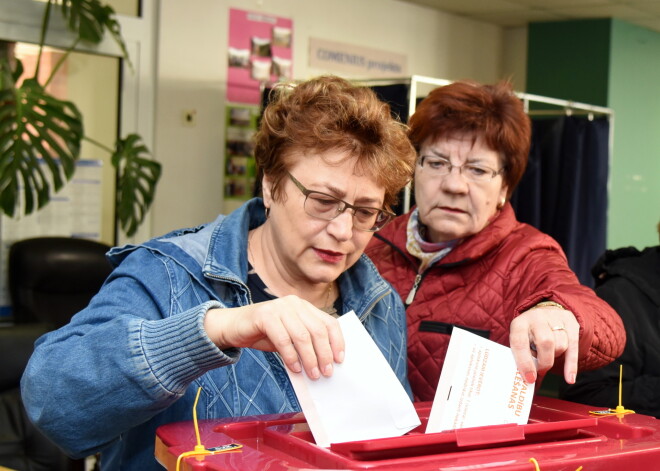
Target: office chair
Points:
(50, 279)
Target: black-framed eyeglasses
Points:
(323, 206)
(439, 166)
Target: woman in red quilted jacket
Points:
(460, 257)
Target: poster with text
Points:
(260, 53)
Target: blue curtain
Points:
(564, 190)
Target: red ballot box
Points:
(560, 435)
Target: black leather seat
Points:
(50, 279)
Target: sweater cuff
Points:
(178, 350)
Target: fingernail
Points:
(530, 377)
(341, 357)
(315, 374)
(296, 368)
(327, 371)
(572, 379)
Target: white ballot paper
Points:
(479, 385)
(362, 400)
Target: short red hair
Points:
(492, 112)
(331, 113)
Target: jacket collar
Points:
(471, 248)
(227, 254)
(479, 244)
(213, 251)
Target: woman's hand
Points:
(547, 332)
(304, 336)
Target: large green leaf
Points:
(136, 183)
(38, 133)
(89, 19)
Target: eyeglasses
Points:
(327, 207)
(437, 166)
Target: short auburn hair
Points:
(492, 112)
(330, 113)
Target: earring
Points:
(267, 212)
(502, 203)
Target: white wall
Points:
(192, 70)
(515, 57)
(86, 75)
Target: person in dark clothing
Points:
(629, 280)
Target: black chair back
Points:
(52, 278)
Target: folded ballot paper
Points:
(362, 400)
(479, 385)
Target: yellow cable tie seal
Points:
(201, 450)
(619, 409)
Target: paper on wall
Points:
(362, 400)
(479, 385)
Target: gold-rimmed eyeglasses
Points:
(323, 206)
(439, 166)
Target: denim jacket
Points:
(134, 358)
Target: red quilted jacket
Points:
(481, 286)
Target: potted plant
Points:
(37, 128)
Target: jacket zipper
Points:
(419, 276)
(413, 291)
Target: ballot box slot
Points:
(469, 439)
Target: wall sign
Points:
(356, 60)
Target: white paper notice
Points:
(362, 400)
(479, 385)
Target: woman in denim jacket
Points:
(227, 305)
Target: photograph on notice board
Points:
(281, 36)
(237, 166)
(241, 116)
(238, 187)
(239, 57)
(260, 53)
(260, 46)
(240, 126)
(281, 67)
(261, 69)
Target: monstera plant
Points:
(40, 135)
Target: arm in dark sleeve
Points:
(640, 359)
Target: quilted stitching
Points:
(484, 283)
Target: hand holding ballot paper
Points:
(479, 385)
(363, 399)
